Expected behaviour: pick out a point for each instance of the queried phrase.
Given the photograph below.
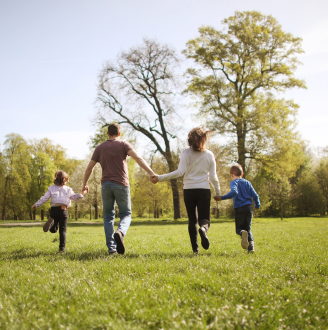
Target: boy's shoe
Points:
(119, 239)
(251, 248)
(48, 224)
(112, 252)
(244, 239)
(204, 238)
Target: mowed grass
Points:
(160, 284)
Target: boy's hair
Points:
(114, 129)
(197, 138)
(60, 178)
(236, 170)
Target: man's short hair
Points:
(114, 129)
(236, 170)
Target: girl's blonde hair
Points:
(197, 138)
(60, 178)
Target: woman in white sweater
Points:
(198, 166)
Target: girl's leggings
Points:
(60, 220)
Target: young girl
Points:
(61, 197)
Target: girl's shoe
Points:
(244, 239)
(48, 224)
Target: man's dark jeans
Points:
(200, 199)
(243, 220)
(60, 220)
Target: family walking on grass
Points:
(197, 165)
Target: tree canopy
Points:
(240, 71)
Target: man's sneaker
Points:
(48, 224)
(119, 239)
(204, 238)
(112, 252)
(251, 248)
(244, 239)
(62, 250)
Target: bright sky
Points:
(51, 53)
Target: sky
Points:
(52, 51)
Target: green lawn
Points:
(160, 284)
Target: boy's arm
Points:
(42, 200)
(233, 192)
(255, 198)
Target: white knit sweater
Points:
(198, 168)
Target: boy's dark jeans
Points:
(200, 198)
(243, 220)
(60, 220)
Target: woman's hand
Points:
(218, 198)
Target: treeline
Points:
(27, 170)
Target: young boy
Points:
(243, 195)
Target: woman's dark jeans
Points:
(243, 220)
(60, 220)
(200, 199)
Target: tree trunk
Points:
(90, 212)
(281, 210)
(241, 144)
(75, 212)
(42, 215)
(96, 211)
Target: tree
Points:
(321, 173)
(16, 159)
(241, 70)
(138, 92)
(42, 170)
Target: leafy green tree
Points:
(321, 173)
(309, 198)
(241, 69)
(16, 159)
(42, 171)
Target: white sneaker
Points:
(244, 239)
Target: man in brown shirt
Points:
(112, 155)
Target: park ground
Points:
(160, 284)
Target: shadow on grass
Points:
(133, 223)
(102, 255)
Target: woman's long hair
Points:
(197, 138)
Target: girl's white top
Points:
(198, 168)
(60, 195)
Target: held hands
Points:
(153, 178)
(218, 198)
(33, 207)
(85, 190)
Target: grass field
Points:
(160, 284)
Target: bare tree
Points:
(139, 91)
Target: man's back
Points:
(112, 155)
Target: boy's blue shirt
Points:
(242, 193)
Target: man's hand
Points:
(153, 178)
(218, 198)
(85, 190)
(33, 207)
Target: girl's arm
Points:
(73, 196)
(179, 172)
(214, 178)
(43, 199)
